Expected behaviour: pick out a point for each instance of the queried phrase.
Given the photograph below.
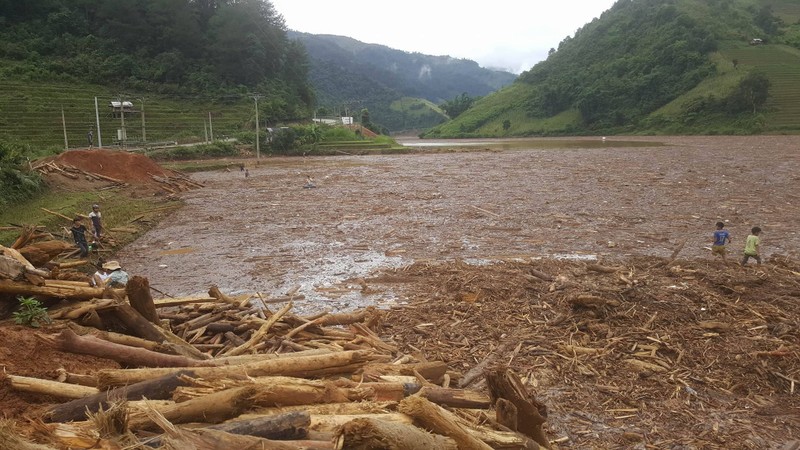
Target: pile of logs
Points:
(228, 372)
(176, 183)
(74, 173)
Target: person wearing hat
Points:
(97, 223)
(116, 276)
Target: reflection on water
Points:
(523, 144)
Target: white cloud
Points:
(510, 34)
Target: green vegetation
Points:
(654, 66)
(177, 61)
(118, 210)
(16, 183)
(30, 313)
(399, 89)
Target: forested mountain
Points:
(164, 46)
(349, 74)
(657, 66)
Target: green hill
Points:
(349, 74)
(179, 60)
(656, 66)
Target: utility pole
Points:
(144, 133)
(97, 119)
(122, 118)
(210, 127)
(64, 125)
(258, 139)
(205, 131)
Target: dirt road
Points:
(267, 233)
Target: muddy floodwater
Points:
(514, 199)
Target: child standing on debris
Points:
(97, 221)
(721, 237)
(309, 183)
(751, 246)
(79, 234)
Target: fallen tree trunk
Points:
(56, 292)
(117, 338)
(431, 371)
(68, 341)
(287, 426)
(138, 290)
(156, 389)
(305, 366)
(49, 387)
(209, 439)
(440, 421)
(367, 434)
(456, 398)
(213, 408)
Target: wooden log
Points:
(331, 423)
(208, 439)
(49, 387)
(326, 409)
(137, 324)
(68, 341)
(531, 414)
(477, 372)
(431, 371)
(55, 292)
(155, 389)
(456, 398)
(168, 302)
(212, 408)
(368, 434)
(434, 418)
(77, 310)
(293, 425)
(506, 413)
(75, 378)
(217, 294)
(305, 366)
(138, 290)
(117, 338)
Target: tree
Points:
(506, 125)
(458, 105)
(751, 94)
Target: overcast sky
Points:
(507, 34)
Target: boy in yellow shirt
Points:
(751, 246)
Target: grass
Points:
(118, 210)
(30, 111)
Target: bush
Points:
(212, 150)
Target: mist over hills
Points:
(350, 75)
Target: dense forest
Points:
(164, 46)
(619, 73)
(169, 49)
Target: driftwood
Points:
(138, 290)
(49, 387)
(68, 341)
(440, 421)
(212, 408)
(305, 366)
(431, 371)
(154, 389)
(50, 291)
(368, 434)
(531, 414)
(293, 425)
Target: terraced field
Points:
(782, 65)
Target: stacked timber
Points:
(223, 372)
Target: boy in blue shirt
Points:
(721, 237)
